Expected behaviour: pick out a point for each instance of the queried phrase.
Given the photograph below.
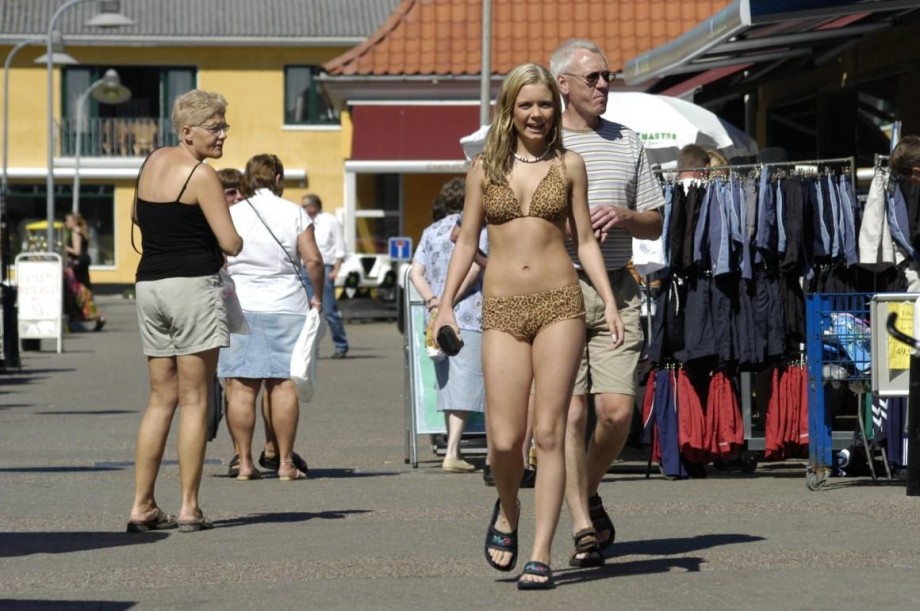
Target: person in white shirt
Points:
(331, 244)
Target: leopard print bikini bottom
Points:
(524, 316)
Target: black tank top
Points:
(177, 240)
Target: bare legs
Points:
(510, 366)
(175, 381)
(586, 469)
(241, 418)
(456, 422)
(280, 410)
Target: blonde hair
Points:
(195, 107)
(501, 140)
(261, 171)
(79, 221)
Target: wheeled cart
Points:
(838, 353)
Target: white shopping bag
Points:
(648, 256)
(303, 358)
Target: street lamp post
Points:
(107, 90)
(107, 18)
(58, 57)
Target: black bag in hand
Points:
(448, 341)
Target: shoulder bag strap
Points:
(286, 253)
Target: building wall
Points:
(252, 80)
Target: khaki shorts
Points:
(605, 371)
(180, 316)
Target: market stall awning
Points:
(759, 31)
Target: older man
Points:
(331, 244)
(624, 199)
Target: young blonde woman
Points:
(531, 193)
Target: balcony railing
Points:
(118, 137)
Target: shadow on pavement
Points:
(287, 517)
(28, 543)
(347, 473)
(68, 605)
(87, 412)
(673, 546)
(57, 469)
(623, 569)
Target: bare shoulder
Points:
(476, 175)
(573, 159)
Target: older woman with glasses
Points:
(529, 192)
(186, 231)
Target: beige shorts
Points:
(602, 370)
(179, 316)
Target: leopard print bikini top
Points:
(549, 201)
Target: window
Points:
(304, 102)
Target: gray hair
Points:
(195, 107)
(561, 59)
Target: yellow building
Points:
(262, 56)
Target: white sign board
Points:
(40, 282)
(891, 358)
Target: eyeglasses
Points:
(216, 129)
(592, 77)
(232, 192)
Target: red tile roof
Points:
(444, 37)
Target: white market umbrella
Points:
(667, 124)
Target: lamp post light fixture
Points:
(108, 18)
(58, 56)
(107, 90)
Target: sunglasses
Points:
(592, 77)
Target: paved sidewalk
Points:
(367, 531)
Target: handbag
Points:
(235, 319)
(215, 407)
(304, 355)
(648, 255)
(432, 349)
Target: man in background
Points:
(329, 238)
(624, 200)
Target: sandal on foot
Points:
(255, 474)
(190, 526)
(298, 474)
(601, 521)
(586, 543)
(233, 469)
(503, 542)
(270, 463)
(161, 521)
(540, 570)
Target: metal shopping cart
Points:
(838, 351)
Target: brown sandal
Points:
(586, 543)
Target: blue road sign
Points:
(400, 248)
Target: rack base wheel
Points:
(815, 480)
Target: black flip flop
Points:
(497, 540)
(540, 570)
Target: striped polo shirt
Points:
(618, 174)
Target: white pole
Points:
(49, 185)
(485, 76)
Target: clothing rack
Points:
(849, 161)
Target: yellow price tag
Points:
(899, 352)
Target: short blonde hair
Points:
(195, 107)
